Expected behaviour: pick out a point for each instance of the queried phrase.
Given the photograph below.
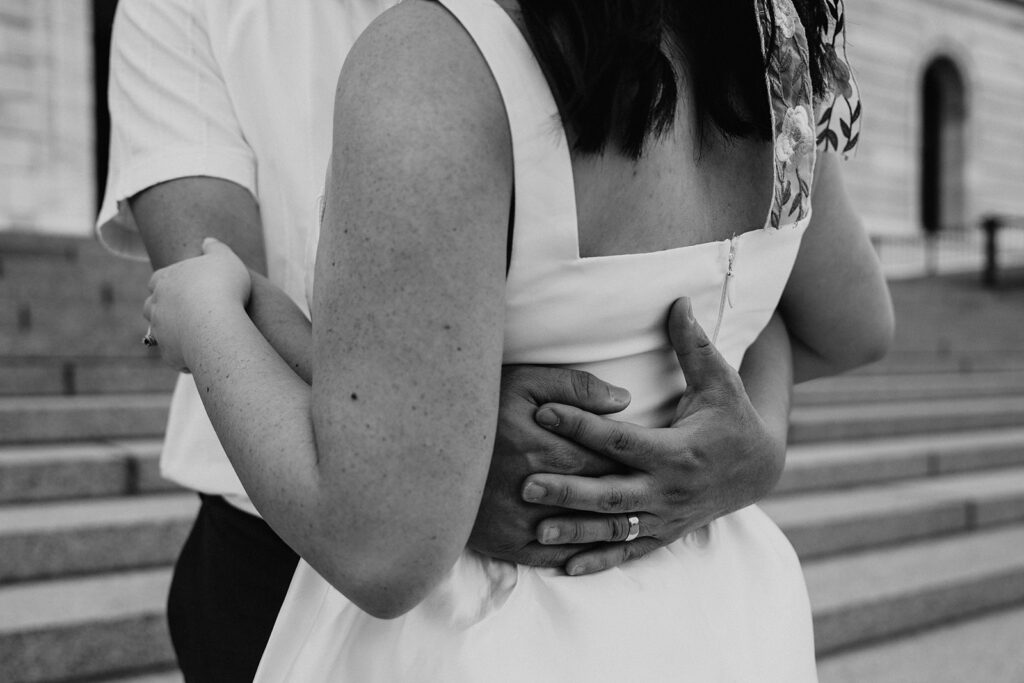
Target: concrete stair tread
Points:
(877, 574)
(853, 388)
(79, 469)
(35, 606)
(884, 418)
(856, 461)
(985, 649)
(34, 419)
(111, 512)
(85, 628)
(44, 540)
(97, 401)
(825, 522)
(882, 592)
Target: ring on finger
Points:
(634, 528)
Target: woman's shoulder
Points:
(416, 66)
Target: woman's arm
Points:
(375, 476)
(836, 305)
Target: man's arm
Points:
(173, 219)
(724, 451)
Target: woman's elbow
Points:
(873, 338)
(385, 590)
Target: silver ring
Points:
(149, 339)
(634, 528)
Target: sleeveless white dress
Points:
(727, 603)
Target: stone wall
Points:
(47, 125)
(890, 44)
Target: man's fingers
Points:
(595, 529)
(563, 385)
(537, 555)
(701, 363)
(609, 495)
(623, 442)
(561, 456)
(609, 555)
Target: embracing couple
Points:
(568, 259)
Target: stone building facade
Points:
(47, 121)
(950, 72)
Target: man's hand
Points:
(506, 527)
(717, 456)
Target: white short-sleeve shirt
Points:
(236, 89)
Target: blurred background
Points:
(904, 489)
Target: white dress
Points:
(727, 603)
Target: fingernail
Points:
(549, 535)
(208, 241)
(576, 569)
(619, 395)
(546, 417)
(533, 492)
(688, 309)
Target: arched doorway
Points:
(944, 111)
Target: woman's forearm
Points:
(261, 411)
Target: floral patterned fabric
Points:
(802, 123)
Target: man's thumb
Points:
(698, 357)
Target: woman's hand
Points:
(716, 457)
(187, 295)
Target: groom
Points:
(221, 115)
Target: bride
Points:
(654, 176)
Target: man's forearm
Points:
(173, 219)
(283, 324)
(767, 373)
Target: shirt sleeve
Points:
(838, 114)
(171, 112)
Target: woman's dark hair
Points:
(609, 65)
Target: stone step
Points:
(830, 522)
(43, 540)
(84, 627)
(865, 388)
(827, 465)
(40, 472)
(76, 418)
(883, 419)
(914, 361)
(985, 649)
(882, 593)
(38, 330)
(30, 376)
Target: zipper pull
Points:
(733, 248)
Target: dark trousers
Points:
(229, 583)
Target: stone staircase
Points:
(903, 494)
(907, 509)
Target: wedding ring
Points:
(149, 339)
(634, 528)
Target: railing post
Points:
(990, 275)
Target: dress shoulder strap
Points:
(545, 202)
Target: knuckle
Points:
(560, 460)
(583, 383)
(619, 441)
(618, 528)
(575, 531)
(611, 500)
(562, 496)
